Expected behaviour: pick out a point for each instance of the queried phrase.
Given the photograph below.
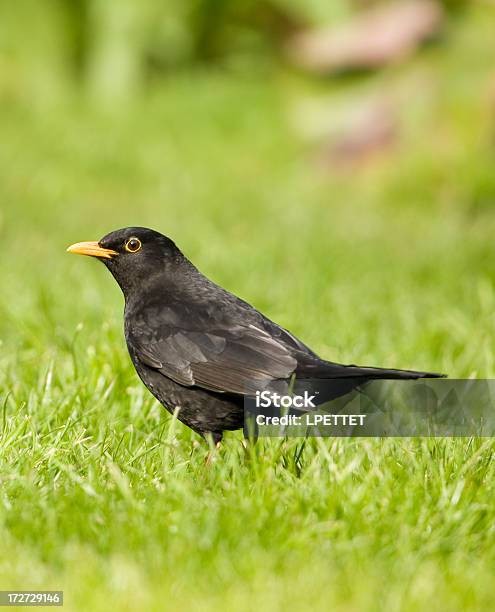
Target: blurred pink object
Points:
(378, 37)
(367, 135)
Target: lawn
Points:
(104, 495)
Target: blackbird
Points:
(200, 349)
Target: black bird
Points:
(199, 348)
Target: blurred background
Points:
(331, 162)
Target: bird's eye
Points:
(133, 245)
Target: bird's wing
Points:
(238, 360)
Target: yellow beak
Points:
(91, 248)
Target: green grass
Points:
(102, 494)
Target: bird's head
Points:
(134, 255)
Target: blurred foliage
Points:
(113, 47)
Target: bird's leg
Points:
(211, 453)
(214, 442)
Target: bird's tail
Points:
(384, 373)
(329, 370)
(333, 380)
